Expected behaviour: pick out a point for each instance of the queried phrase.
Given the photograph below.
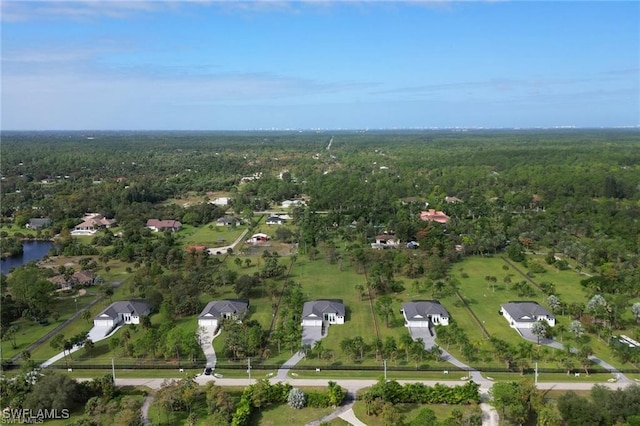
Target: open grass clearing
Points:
(29, 331)
(410, 411)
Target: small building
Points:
(228, 221)
(524, 314)
(196, 249)
(322, 312)
(433, 215)
(258, 239)
(275, 220)
(221, 201)
(163, 225)
(38, 223)
(218, 310)
(293, 203)
(127, 312)
(385, 241)
(424, 314)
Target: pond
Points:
(32, 252)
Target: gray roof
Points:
(420, 310)
(320, 307)
(39, 222)
(525, 311)
(216, 308)
(228, 220)
(133, 307)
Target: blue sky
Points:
(232, 65)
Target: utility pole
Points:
(536, 375)
(76, 300)
(384, 361)
(113, 371)
(249, 369)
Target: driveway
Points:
(205, 337)
(528, 335)
(429, 342)
(311, 334)
(98, 333)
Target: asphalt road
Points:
(352, 385)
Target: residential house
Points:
(258, 239)
(92, 223)
(78, 278)
(424, 313)
(433, 215)
(38, 223)
(163, 225)
(228, 221)
(221, 201)
(127, 312)
(196, 249)
(524, 314)
(323, 312)
(275, 220)
(218, 310)
(385, 241)
(293, 203)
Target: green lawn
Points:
(282, 414)
(30, 331)
(410, 411)
(210, 235)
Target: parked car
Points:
(208, 371)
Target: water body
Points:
(32, 252)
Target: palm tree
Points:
(304, 349)
(358, 345)
(318, 348)
(405, 343)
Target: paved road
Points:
(351, 385)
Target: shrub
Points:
(318, 400)
(296, 399)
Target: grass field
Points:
(410, 411)
(30, 331)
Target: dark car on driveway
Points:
(208, 371)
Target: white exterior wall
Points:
(208, 322)
(339, 320)
(312, 322)
(526, 324)
(103, 322)
(418, 324)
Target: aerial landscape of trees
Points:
(544, 215)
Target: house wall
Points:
(418, 324)
(526, 324)
(103, 322)
(312, 322)
(208, 322)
